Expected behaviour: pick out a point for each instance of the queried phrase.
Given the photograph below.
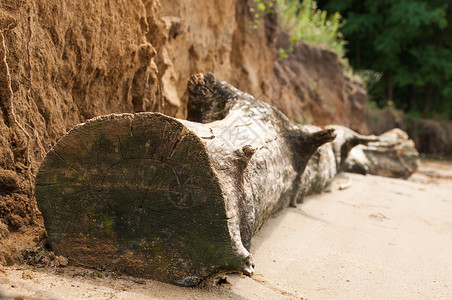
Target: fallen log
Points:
(392, 155)
(174, 200)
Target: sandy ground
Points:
(381, 238)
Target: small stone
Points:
(60, 261)
(27, 274)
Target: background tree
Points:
(409, 42)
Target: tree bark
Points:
(392, 155)
(169, 199)
(329, 159)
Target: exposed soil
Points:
(314, 88)
(380, 238)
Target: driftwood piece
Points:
(346, 139)
(393, 155)
(329, 159)
(169, 199)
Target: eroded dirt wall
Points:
(63, 62)
(208, 36)
(311, 87)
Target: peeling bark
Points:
(169, 199)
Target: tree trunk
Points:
(358, 54)
(390, 85)
(169, 199)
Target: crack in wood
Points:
(69, 165)
(120, 147)
(182, 134)
(85, 148)
(146, 192)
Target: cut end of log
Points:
(136, 194)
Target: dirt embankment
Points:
(63, 62)
(312, 87)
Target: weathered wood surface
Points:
(392, 155)
(169, 199)
(329, 159)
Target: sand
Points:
(382, 238)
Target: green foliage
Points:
(282, 53)
(409, 42)
(371, 80)
(305, 22)
(414, 115)
(371, 105)
(259, 9)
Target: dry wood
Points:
(328, 160)
(392, 155)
